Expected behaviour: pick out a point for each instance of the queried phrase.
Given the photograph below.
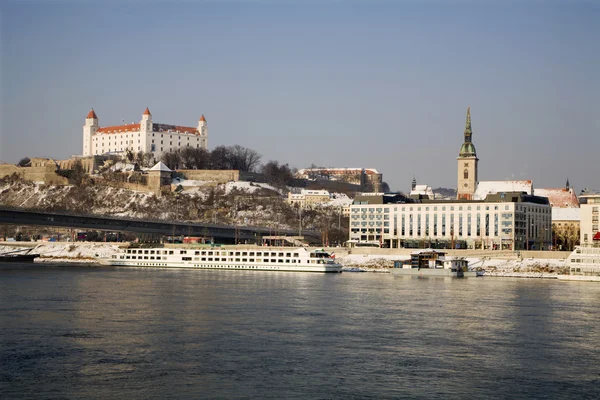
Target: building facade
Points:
(369, 179)
(467, 164)
(511, 221)
(308, 197)
(146, 136)
(590, 215)
(565, 216)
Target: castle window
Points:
(466, 174)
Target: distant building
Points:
(421, 191)
(590, 215)
(308, 197)
(146, 136)
(369, 179)
(566, 215)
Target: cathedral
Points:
(146, 136)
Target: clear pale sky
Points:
(377, 84)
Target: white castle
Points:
(146, 136)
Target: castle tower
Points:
(467, 164)
(203, 130)
(89, 129)
(146, 129)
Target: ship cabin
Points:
(430, 258)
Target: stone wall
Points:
(220, 176)
(46, 173)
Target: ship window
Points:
(152, 257)
(203, 259)
(151, 251)
(196, 253)
(145, 251)
(273, 260)
(127, 257)
(280, 254)
(251, 254)
(145, 257)
(287, 261)
(288, 254)
(209, 258)
(203, 253)
(182, 252)
(237, 260)
(295, 254)
(244, 254)
(237, 253)
(280, 260)
(244, 260)
(170, 252)
(251, 260)
(273, 254)
(258, 254)
(186, 258)
(210, 253)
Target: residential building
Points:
(146, 136)
(590, 215)
(308, 197)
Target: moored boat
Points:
(584, 264)
(233, 258)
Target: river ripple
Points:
(98, 332)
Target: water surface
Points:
(101, 332)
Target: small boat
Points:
(23, 256)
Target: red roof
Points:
(596, 236)
(119, 128)
(146, 111)
(155, 128)
(92, 114)
(202, 118)
(559, 197)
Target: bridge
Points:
(220, 233)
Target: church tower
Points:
(203, 131)
(89, 129)
(467, 164)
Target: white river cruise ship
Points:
(234, 258)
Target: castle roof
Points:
(166, 128)
(119, 128)
(202, 118)
(92, 114)
(146, 112)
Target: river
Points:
(99, 332)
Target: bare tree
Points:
(220, 158)
(24, 162)
(244, 159)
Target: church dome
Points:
(467, 149)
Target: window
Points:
(466, 173)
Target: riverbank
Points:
(89, 252)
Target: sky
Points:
(370, 84)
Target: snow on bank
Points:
(368, 262)
(68, 252)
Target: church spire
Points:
(468, 131)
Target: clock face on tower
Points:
(466, 184)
